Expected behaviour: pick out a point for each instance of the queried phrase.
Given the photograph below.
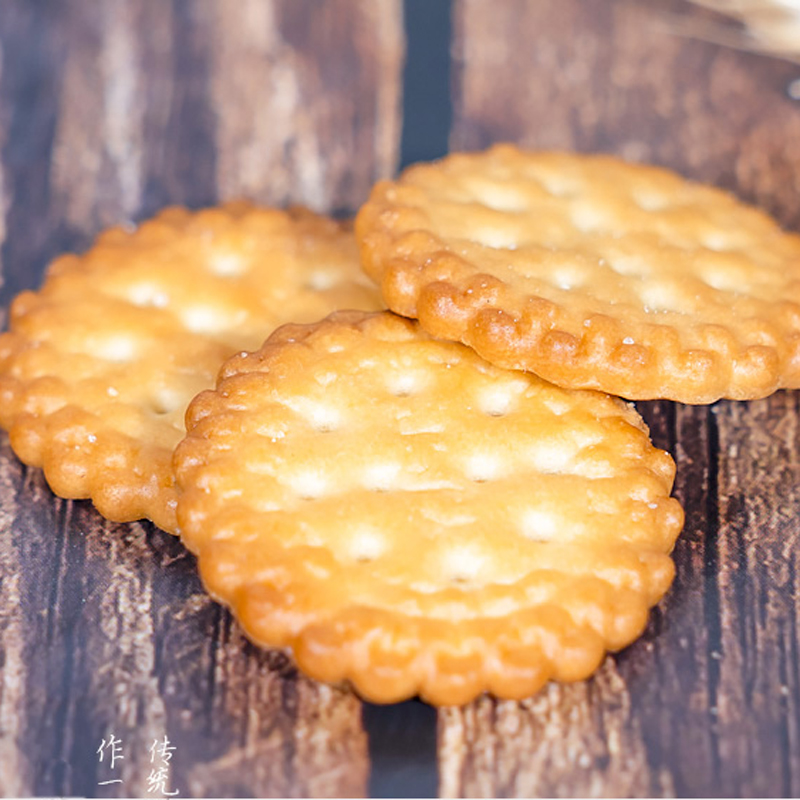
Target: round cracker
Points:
(100, 363)
(403, 515)
(591, 272)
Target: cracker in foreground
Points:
(403, 515)
(100, 364)
(591, 272)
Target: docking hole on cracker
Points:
(591, 272)
(406, 517)
(99, 365)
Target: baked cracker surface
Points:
(591, 272)
(99, 365)
(405, 516)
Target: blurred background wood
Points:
(108, 112)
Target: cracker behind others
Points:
(100, 363)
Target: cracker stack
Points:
(440, 499)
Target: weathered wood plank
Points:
(707, 702)
(563, 742)
(757, 697)
(124, 641)
(17, 769)
(108, 112)
(288, 86)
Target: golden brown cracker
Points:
(591, 272)
(401, 514)
(100, 363)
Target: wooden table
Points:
(111, 110)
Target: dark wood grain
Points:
(707, 702)
(108, 112)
